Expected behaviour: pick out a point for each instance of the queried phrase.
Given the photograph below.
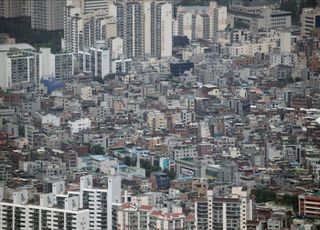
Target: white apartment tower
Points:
(100, 62)
(161, 29)
(100, 201)
(82, 32)
(72, 26)
(47, 14)
(130, 26)
(218, 18)
(59, 66)
(202, 23)
(147, 26)
(19, 66)
(18, 214)
(231, 211)
(186, 24)
(202, 26)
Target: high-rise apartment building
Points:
(231, 211)
(130, 25)
(24, 64)
(82, 32)
(47, 14)
(100, 62)
(18, 65)
(129, 216)
(15, 8)
(201, 23)
(201, 214)
(202, 28)
(59, 66)
(63, 66)
(20, 215)
(72, 27)
(218, 18)
(186, 23)
(161, 29)
(90, 6)
(87, 209)
(145, 27)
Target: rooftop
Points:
(21, 46)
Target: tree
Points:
(171, 174)
(149, 167)
(291, 200)
(292, 6)
(129, 161)
(97, 150)
(264, 195)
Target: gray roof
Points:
(21, 46)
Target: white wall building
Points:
(18, 65)
(50, 119)
(218, 18)
(100, 62)
(309, 19)
(161, 29)
(78, 125)
(285, 42)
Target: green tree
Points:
(291, 200)
(171, 174)
(97, 150)
(149, 167)
(292, 6)
(129, 161)
(264, 195)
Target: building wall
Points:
(47, 14)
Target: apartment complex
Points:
(201, 22)
(83, 31)
(130, 216)
(93, 5)
(231, 211)
(86, 209)
(161, 29)
(143, 27)
(130, 24)
(47, 14)
(15, 8)
(22, 63)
